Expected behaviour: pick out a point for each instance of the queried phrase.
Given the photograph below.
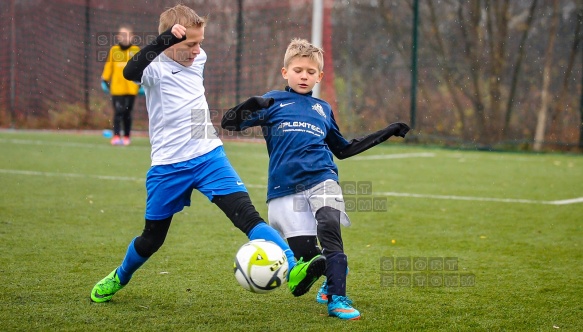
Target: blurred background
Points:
(491, 74)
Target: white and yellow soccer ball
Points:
(260, 266)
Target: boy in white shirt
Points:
(187, 154)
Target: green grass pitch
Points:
(508, 228)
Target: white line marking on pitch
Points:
(71, 175)
(395, 194)
(88, 176)
(482, 199)
(394, 156)
(568, 201)
(64, 144)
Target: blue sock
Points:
(265, 232)
(131, 262)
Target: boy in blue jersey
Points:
(187, 154)
(305, 201)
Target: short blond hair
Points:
(180, 14)
(303, 48)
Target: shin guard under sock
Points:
(131, 262)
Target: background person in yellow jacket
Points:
(123, 92)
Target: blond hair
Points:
(180, 14)
(303, 48)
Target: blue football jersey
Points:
(298, 130)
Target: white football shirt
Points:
(180, 125)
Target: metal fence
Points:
(51, 64)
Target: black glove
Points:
(399, 129)
(236, 115)
(358, 145)
(255, 104)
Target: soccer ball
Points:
(260, 266)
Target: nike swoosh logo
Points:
(99, 296)
(284, 105)
(301, 269)
(239, 183)
(176, 72)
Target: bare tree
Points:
(479, 66)
(539, 135)
(473, 43)
(497, 27)
(518, 65)
(444, 70)
(562, 99)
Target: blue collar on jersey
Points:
(288, 89)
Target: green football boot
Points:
(305, 274)
(104, 290)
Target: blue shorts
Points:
(169, 187)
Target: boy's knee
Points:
(153, 237)
(146, 246)
(240, 210)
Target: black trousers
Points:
(122, 112)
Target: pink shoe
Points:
(126, 141)
(116, 140)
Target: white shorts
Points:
(294, 215)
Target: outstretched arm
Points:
(234, 117)
(343, 149)
(135, 67)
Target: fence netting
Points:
(53, 55)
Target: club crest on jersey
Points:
(318, 108)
